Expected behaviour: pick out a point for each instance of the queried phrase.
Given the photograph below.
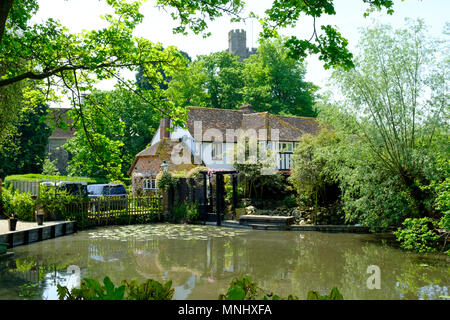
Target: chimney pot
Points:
(246, 108)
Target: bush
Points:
(91, 289)
(193, 214)
(290, 201)
(24, 206)
(180, 212)
(164, 180)
(54, 202)
(49, 167)
(20, 204)
(418, 235)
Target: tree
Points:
(122, 126)
(312, 173)
(24, 150)
(215, 81)
(274, 82)
(399, 89)
(327, 42)
(71, 63)
(144, 84)
(269, 81)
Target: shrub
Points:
(193, 214)
(24, 206)
(5, 202)
(179, 212)
(91, 289)
(49, 167)
(290, 201)
(20, 204)
(54, 202)
(244, 288)
(164, 180)
(418, 235)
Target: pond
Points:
(202, 260)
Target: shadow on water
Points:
(201, 261)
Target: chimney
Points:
(246, 108)
(164, 126)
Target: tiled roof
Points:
(290, 127)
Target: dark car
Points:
(110, 197)
(74, 188)
(106, 190)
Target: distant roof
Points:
(291, 128)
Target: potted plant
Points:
(39, 218)
(12, 222)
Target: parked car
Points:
(116, 195)
(76, 188)
(106, 190)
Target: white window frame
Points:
(149, 184)
(216, 154)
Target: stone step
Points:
(267, 220)
(268, 226)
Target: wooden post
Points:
(204, 205)
(219, 197)
(235, 195)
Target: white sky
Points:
(157, 25)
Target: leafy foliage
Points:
(269, 81)
(49, 167)
(20, 205)
(244, 288)
(23, 150)
(91, 289)
(116, 125)
(418, 235)
(334, 295)
(327, 42)
(387, 133)
(312, 167)
(53, 202)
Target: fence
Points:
(108, 211)
(33, 186)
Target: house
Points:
(210, 137)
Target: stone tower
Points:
(237, 44)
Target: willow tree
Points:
(398, 92)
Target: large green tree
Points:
(121, 124)
(392, 125)
(24, 147)
(274, 82)
(214, 80)
(270, 81)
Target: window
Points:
(285, 147)
(149, 184)
(216, 151)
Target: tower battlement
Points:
(237, 44)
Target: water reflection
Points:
(201, 261)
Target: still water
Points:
(202, 260)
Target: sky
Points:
(157, 26)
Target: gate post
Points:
(219, 197)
